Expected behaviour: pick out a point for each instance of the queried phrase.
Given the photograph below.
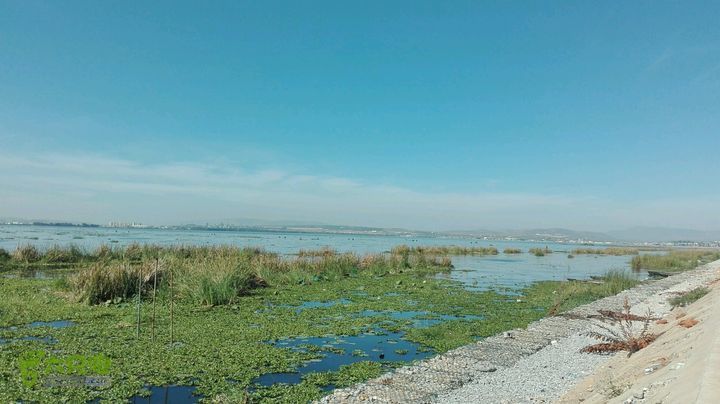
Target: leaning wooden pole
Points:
(157, 264)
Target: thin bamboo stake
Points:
(172, 324)
(157, 264)
(139, 300)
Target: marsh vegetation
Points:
(675, 260)
(444, 250)
(240, 315)
(607, 251)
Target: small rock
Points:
(639, 395)
(553, 342)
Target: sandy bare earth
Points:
(681, 366)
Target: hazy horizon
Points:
(417, 115)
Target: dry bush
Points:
(618, 333)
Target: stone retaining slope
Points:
(426, 380)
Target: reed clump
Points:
(512, 250)
(616, 280)
(674, 261)
(64, 255)
(26, 254)
(103, 282)
(218, 282)
(444, 250)
(607, 251)
(540, 252)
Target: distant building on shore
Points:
(133, 225)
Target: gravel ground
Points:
(534, 365)
(539, 378)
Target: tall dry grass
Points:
(607, 251)
(216, 275)
(444, 250)
(674, 261)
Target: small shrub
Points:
(623, 337)
(689, 297)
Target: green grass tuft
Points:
(689, 297)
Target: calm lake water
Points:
(474, 271)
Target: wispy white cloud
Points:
(99, 188)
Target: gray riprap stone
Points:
(458, 364)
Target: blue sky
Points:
(429, 115)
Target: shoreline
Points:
(495, 367)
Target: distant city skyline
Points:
(419, 115)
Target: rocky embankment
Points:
(534, 365)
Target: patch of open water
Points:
(168, 394)
(36, 324)
(381, 346)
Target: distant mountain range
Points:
(537, 234)
(664, 234)
(633, 234)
